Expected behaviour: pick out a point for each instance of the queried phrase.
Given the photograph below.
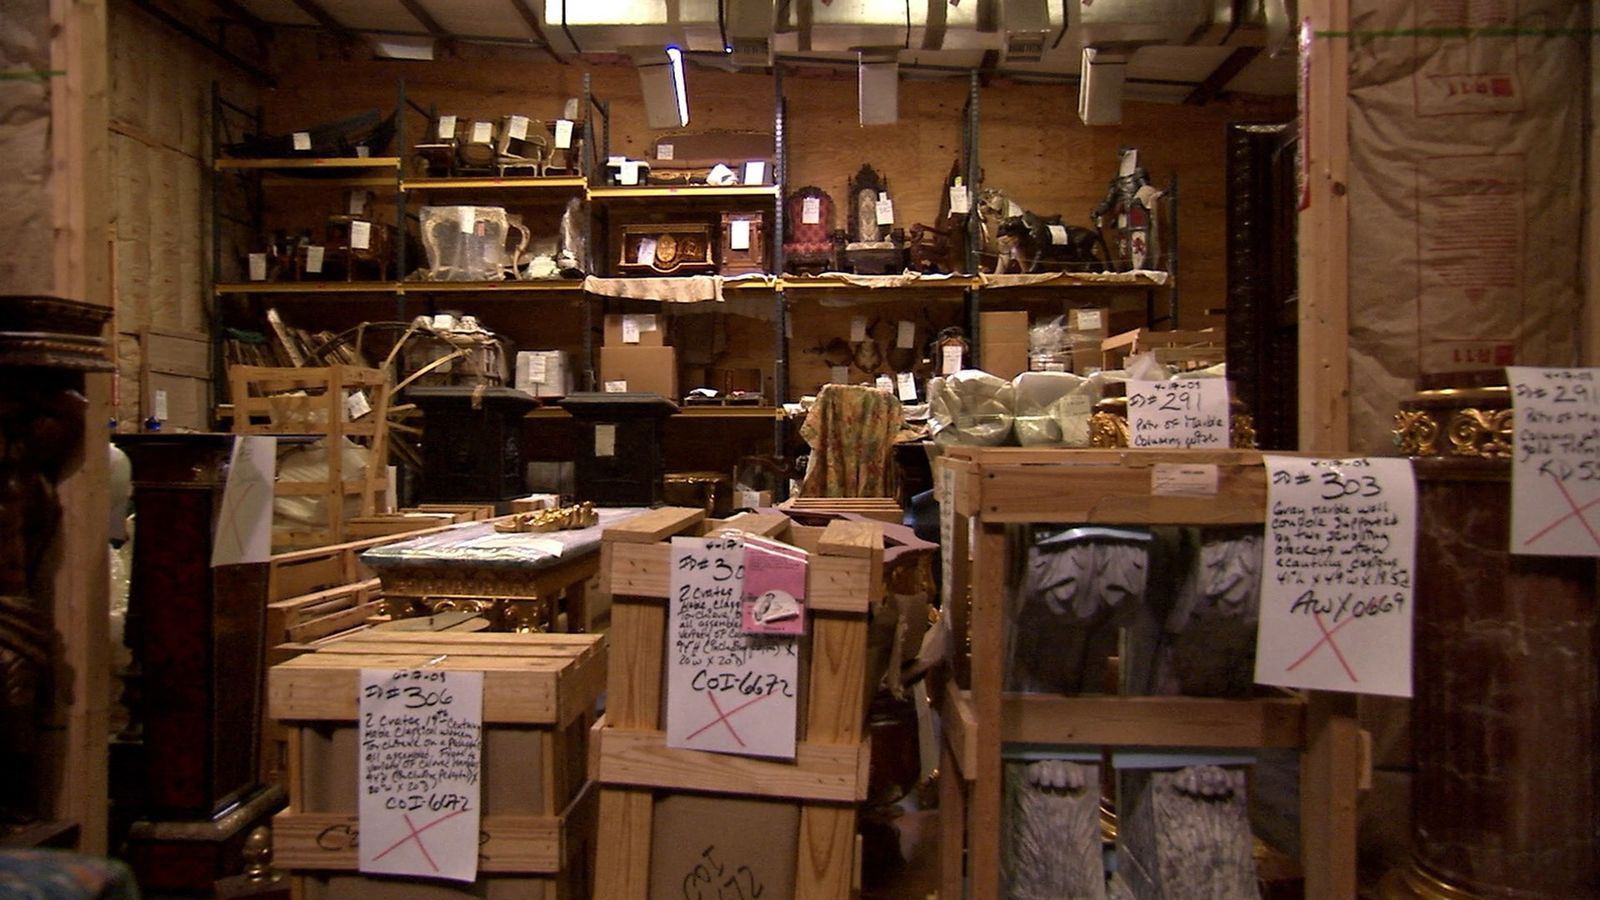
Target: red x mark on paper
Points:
(1327, 638)
(416, 835)
(723, 717)
(1576, 513)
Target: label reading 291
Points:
(1179, 415)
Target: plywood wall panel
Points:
(26, 254)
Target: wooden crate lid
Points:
(528, 678)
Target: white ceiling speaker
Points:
(878, 83)
(1101, 76)
(661, 81)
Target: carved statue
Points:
(1013, 240)
(1129, 204)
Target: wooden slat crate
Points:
(1189, 349)
(884, 509)
(982, 492)
(539, 694)
(806, 807)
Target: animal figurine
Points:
(1029, 243)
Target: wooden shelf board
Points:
(692, 412)
(343, 162)
(691, 191)
(356, 181)
(549, 183)
(823, 283)
(490, 287)
(307, 287)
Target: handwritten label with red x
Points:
(420, 744)
(1336, 580)
(1555, 463)
(727, 691)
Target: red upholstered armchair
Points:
(810, 243)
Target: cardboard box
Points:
(651, 328)
(553, 371)
(647, 369)
(1003, 348)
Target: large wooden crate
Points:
(539, 694)
(982, 491)
(313, 401)
(807, 807)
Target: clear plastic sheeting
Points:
(1053, 408)
(970, 408)
(477, 545)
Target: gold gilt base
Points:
(1413, 882)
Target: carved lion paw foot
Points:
(1207, 782)
(1056, 774)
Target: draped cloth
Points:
(851, 430)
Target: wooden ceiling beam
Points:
(1213, 85)
(428, 22)
(324, 18)
(531, 19)
(236, 11)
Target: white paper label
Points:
(1076, 404)
(755, 171)
(563, 134)
(570, 109)
(360, 235)
(1129, 163)
(630, 172)
(1183, 414)
(244, 525)
(357, 203)
(1336, 583)
(885, 208)
(739, 234)
(1058, 234)
(615, 161)
(950, 359)
(161, 406)
(630, 330)
(1554, 469)
(1088, 319)
(468, 218)
(447, 127)
(1013, 210)
(647, 321)
(664, 151)
(362, 152)
(858, 329)
(727, 692)
(905, 334)
(1173, 480)
(959, 204)
(420, 734)
(314, 254)
(647, 250)
(517, 128)
(906, 386)
(616, 387)
(536, 368)
(605, 439)
(885, 383)
(811, 211)
(258, 267)
(302, 141)
(356, 405)
(482, 132)
(839, 375)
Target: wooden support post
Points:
(952, 815)
(988, 671)
(1329, 772)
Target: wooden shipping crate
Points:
(666, 814)
(984, 491)
(539, 696)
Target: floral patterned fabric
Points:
(851, 430)
(60, 875)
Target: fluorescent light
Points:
(680, 91)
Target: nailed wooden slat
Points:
(829, 772)
(327, 842)
(857, 539)
(654, 525)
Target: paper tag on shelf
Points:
(1130, 163)
(664, 151)
(647, 321)
(536, 368)
(905, 335)
(447, 127)
(839, 375)
(469, 218)
(605, 439)
(314, 259)
(362, 151)
(858, 329)
(1013, 210)
(811, 211)
(630, 330)
(885, 384)
(885, 210)
(302, 141)
(630, 172)
(161, 405)
(959, 204)
(615, 161)
(616, 387)
(570, 109)
(950, 359)
(1058, 234)
(356, 405)
(563, 134)
(1171, 480)
(647, 250)
(1072, 404)
(357, 204)
(517, 128)
(258, 267)
(739, 234)
(482, 132)
(1087, 319)
(906, 383)
(755, 171)
(360, 235)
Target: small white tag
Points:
(647, 321)
(755, 171)
(616, 387)
(360, 235)
(950, 358)
(258, 267)
(839, 375)
(1170, 480)
(630, 330)
(563, 134)
(1088, 319)
(570, 110)
(1013, 210)
(517, 128)
(885, 384)
(1058, 234)
(858, 329)
(536, 369)
(959, 204)
(615, 161)
(362, 152)
(482, 132)
(663, 151)
(1073, 404)
(314, 259)
(356, 405)
(605, 439)
(647, 251)
(358, 203)
(630, 172)
(161, 405)
(447, 127)
(1130, 163)
(302, 141)
(739, 234)
(907, 384)
(905, 335)
(811, 211)
(747, 499)
(885, 211)
(469, 218)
